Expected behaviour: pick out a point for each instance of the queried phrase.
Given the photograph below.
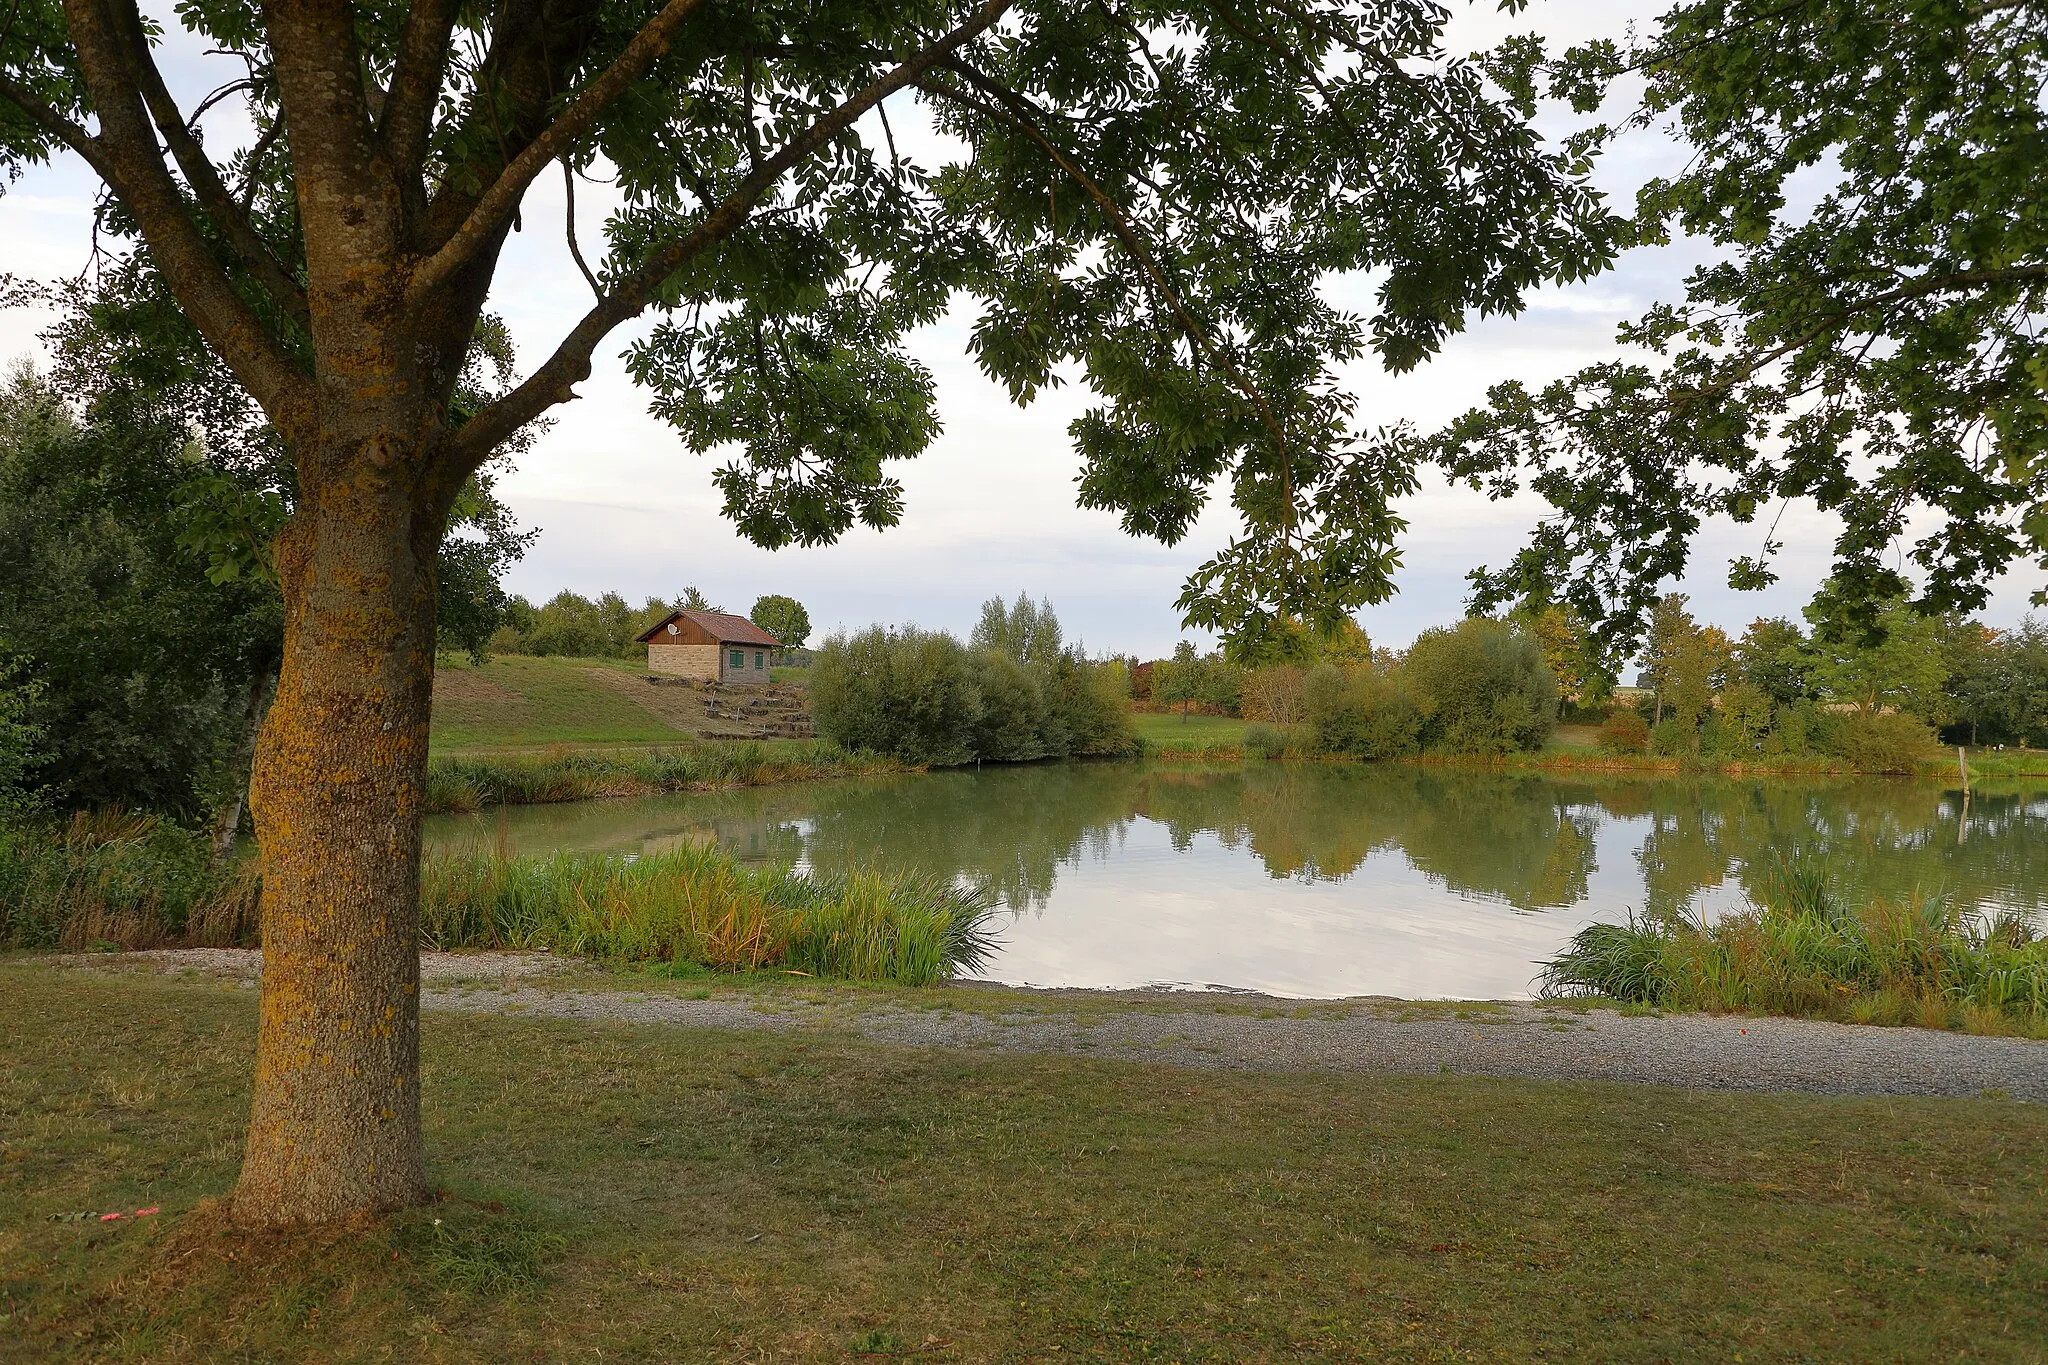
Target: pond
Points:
(1314, 880)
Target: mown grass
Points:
(471, 783)
(1169, 732)
(657, 1193)
(515, 701)
(1808, 954)
(694, 908)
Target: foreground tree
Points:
(1868, 338)
(1154, 193)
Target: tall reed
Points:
(112, 879)
(468, 784)
(1804, 952)
(695, 906)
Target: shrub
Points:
(1744, 718)
(1888, 742)
(1359, 714)
(1482, 688)
(1672, 737)
(1275, 695)
(907, 693)
(1625, 732)
(922, 697)
(1264, 741)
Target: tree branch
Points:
(575, 251)
(200, 172)
(416, 79)
(132, 165)
(57, 126)
(501, 200)
(554, 381)
(1120, 224)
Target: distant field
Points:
(517, 702)
(1194, 732)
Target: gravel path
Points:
(1694, 1051)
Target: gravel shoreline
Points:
(1709, 1052)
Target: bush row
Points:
(1480, 687)
(923, 697)
(1877, 742)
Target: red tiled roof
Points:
(724, 627)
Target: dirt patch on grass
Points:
(682, 707)
(711, 711)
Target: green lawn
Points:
(515, 701)
(643, 1193)
(1171, 731)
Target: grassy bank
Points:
(694, 909)
(137, 883)
(473, 782)
(657, 1193)
(1806, 954)
(519, 702)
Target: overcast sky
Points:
(620, 504)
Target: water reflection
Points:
(1330, 880)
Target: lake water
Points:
(1310, 880)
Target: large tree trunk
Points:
(336, 795)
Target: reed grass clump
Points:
(111, 879)
(695, 907)
(1805, 953)
(469, 784)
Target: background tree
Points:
(1899, 664)
(2001, 694)
(1025, 632)
(1671, 625)
(1482, 688)
(1865, 339)
(1694, 671)
(143, 666)
(1773, 658)
(1582, 680)
(1178, 681)
(782, 617)
(1153, 194)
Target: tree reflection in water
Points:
(1525, 840)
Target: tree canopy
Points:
(1867, 336)
(1147, 196)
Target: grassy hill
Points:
(517, 702)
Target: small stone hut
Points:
(714, 646)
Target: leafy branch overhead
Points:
(1151, 196)
(1867, 337)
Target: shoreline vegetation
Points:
(1983, 766)
(1807, 953)
(471, 782)
(110, 881)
